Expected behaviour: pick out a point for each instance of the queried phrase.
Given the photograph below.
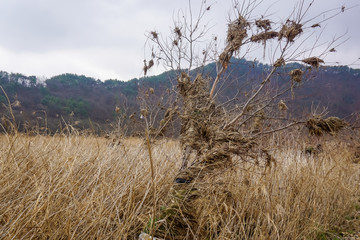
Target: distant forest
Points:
(87, 103)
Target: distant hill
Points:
(87, 102)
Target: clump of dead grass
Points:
(313, 61)
(290, 30)
(264, 24)
(261, 37)
(318, 126)
(237, 32)
(296, 75)
(76, 187)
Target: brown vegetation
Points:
(79, 187)
(240, 178)
(318, 126)
(296, 75)
(313, 61)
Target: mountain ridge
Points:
(88, 101)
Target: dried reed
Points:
(80, 187)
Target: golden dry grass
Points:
(78, 187)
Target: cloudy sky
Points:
(105, 38)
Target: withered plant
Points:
(214, 135)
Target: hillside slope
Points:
(86, 102)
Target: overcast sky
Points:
(105, 38)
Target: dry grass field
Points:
(84, 187)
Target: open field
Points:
(84, 187)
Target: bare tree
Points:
(217, 132)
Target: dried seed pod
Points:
(263, 24)
(315, 25)
(151, 63)
(282, 106)
(145, 68)
(177, 30)
(154, 34)
(296, 75)
(144, 112)
(280, 62)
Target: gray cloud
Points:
(36, 25)
(105, 38)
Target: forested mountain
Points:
(86, 102)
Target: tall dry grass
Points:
(84, 187)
